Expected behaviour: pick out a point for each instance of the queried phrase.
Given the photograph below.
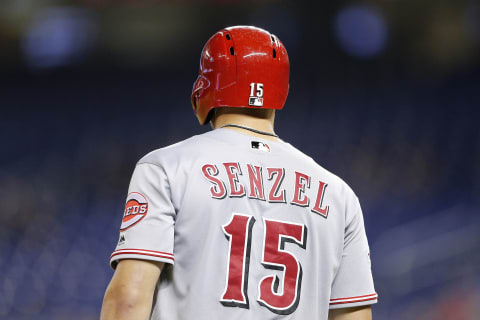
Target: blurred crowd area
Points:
(385, 94)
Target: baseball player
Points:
(236, 223)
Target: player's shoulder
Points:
(333, 180)
(189, 147)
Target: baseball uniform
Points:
(248, 228)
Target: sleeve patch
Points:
(136, 208)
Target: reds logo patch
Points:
(136, 209)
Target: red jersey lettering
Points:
(299, 197)
(218, 190)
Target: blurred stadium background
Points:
(384, 93)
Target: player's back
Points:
(256, 229)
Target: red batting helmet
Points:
(241, 67)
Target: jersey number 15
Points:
(280, 299)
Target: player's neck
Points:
(262, 124)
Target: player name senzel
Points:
(256, 190)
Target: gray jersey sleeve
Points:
(147, 230)
(353, 284)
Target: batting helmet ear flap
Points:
(198, 90)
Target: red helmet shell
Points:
(243, 67)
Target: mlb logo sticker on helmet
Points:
(255, 101)
(136, 209)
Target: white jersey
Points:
(248, 228)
